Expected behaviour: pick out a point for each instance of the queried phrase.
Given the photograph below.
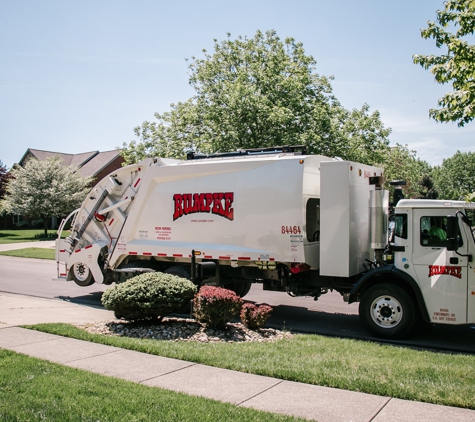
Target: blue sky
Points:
(79, 76)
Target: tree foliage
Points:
(427, 188)
(455, 178)
(4, 177)
(359, 136)
(457, 65)
(401, 163)
(43, 189)
(260, 92)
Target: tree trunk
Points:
(45, 226)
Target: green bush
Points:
(255, 316)
(148, 296)
(216, 306)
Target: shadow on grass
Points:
(49, 236)
(9, 234)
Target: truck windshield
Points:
(400, 225)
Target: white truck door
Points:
(442, 274)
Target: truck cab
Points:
(445, 277)
(430, 272)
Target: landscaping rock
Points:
(185, 329)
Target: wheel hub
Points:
(81, 271)
(386, 312)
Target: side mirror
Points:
(452, 233)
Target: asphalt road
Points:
(330, 315)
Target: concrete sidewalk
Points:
(258, 392)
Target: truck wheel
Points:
(387, 311)
(179, 271)
(182, 272)
(81, 274)
(240, 288)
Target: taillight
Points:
(297, 267)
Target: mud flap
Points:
(89, 256)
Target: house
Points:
(94, 163)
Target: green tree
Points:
(360, 136)
(427, 188)
(457, 65)
(260, 92)
(43, 189)
(401, 163)
(455, 178)
(4, 177)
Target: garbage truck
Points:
(293, 222)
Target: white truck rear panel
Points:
(345, 225)
(234, 209)
(244, 209)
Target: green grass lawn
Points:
(35, 390)
(33, 236)
(440, 378)
(30, 235)
(36, 253)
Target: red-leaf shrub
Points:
(216, 306)
(255, 316)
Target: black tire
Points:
(387, 311)
(179, 271)
(183, 272)
(81, 274)
(240, 288)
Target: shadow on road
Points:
(91, 299)
(459, 339)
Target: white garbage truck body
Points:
(298, 223)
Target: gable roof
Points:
(98, 162)
(89, 163)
